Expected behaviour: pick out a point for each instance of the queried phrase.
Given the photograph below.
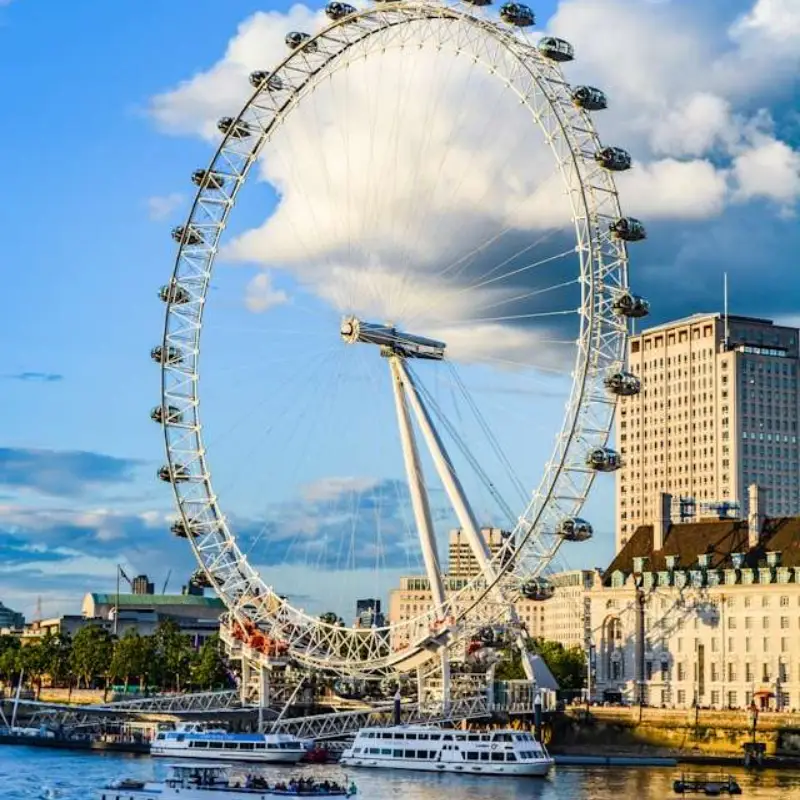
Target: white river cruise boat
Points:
(216, 782)
(194, 741)
(434, 749)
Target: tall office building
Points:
(462, 561)
(717, 412)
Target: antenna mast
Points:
(725, 300)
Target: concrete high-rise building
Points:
(717, 412)
(462, 561)
(141, 584)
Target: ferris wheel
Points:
(420, 299)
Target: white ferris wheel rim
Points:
(600, 346)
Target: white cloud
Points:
(392, 171)
(163, 207)
(326, 489)
(260, 296)
(769, 170)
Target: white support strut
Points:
(420, 504)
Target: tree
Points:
(31, 659)
(172, 655)
(9, 664)
(210, 670)
(132, 658)
(56, 652)
(92, 650)
(331, 618)
(568, 664)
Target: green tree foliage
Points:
(568, 664)
(92, 650)
(9, 664)
(56, 654)
(32, 661)
(209, 670)
(132, 658)
(172, 655)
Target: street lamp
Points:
(638, 582)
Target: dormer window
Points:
(672, 562)
(639, 564)
(704, 560)
(738, 560)
(774, 558)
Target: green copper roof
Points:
(157, 600)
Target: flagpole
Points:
(116, 607)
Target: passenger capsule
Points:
(556, 49)
(614, 159)
(623, 384)
(179, 529)
(478, 2)
(187, 235)
(574, 529)
(200, 579)
(173, 414)
(169, 355)
(206, 179)
(631, 305)
(589, 98)
(537, 590)
(603, 459)
(178, 474)
(229, 126)
(260, 77)
(517, 14)
(339, 10)
(628, 229)
(297, 39)
(173, 293)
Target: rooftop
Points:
(140, 600)
(692, 318)
(717, 538)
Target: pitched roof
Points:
(717, 538)
(140, 600)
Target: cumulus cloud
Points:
(163, 207)
(260, 296)
(62, 473)
(770, 170)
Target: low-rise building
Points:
(704, 613)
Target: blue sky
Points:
(110, 107)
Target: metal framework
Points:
(539, 86)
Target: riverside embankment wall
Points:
(660, 731)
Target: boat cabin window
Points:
(386, 735)
(400, 736)
(231, 746)
(398, 753)
(510, 757)
(435, 737)
(386, 751)
(160, 736)
(497, 756)
(485, 737)
(411, 736)
(473, 737)
(484, 756)
(247, 746)
(422, 736)
(472, 756)
(447, 737)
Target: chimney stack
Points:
(662, 522)
(755, 518)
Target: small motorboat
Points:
(709, 785)
(221, 782)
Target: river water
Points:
(35, 774)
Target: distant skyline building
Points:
(10, 619)
(461, 560)
(368, 613)
(717, 412)
(141, 584)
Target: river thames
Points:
(34, 774)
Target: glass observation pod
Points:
(537, 590)
(574, 529)
(631, 305)
(339, 10)
(556, 49)
(613, 158)
(199, 578)
(173, 293)
(492, 637)
(604, 459)
(229, 126)
(206, 179)
(169, 355)
(187, 235)
(517, 14)
(179, 474)
(589, 98)
(296, 39)
(628, 229)
(173, 414)
(179, 529)
(260, 77)
(623, 384)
